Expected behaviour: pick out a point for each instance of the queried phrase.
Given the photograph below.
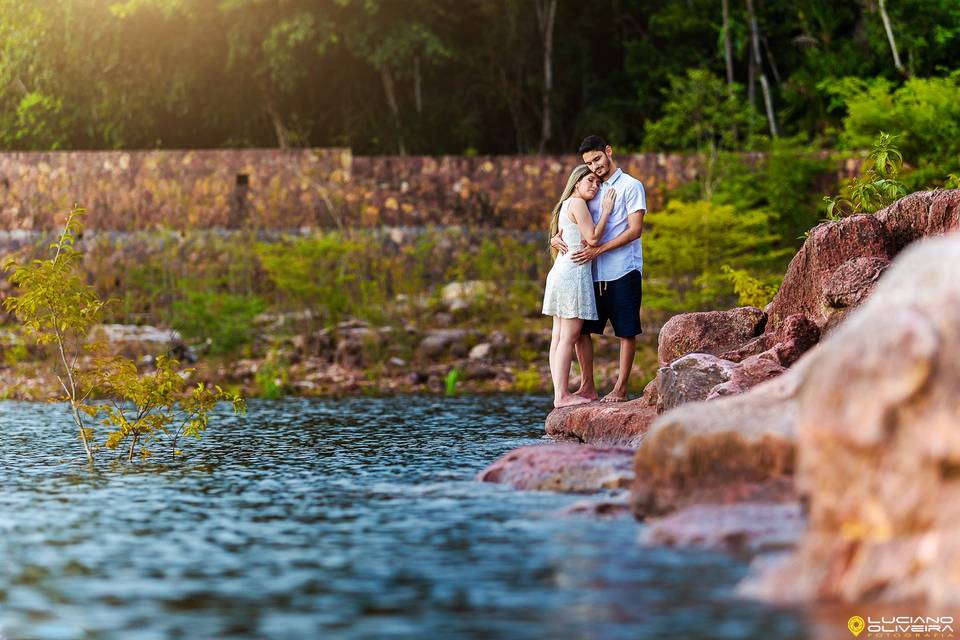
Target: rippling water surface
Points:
(335, 519)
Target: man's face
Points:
(599, 161)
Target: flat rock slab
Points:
(563, 467)
(603, 424)
(750, 527)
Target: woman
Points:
(569, 292)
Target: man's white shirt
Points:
(631, 197)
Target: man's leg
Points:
(584, 349)
(625, 295)
(628, 348)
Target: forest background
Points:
(772, 96)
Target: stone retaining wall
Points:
(286, 189)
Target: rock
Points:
(828, 247)
(603, 424)
(879, 446)
(354, 345)
(690, 378)
(569, 468)
(919, 215)
(853, 281)
(732, 449)
(712, 332)
(397, 363)
(751, 527)
(462, 295)
(748, 374)
(474, 370)
(796, 335)
(607, 507)
(481, 351)
(135, 341)
(439, 343)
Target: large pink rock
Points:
(732, 449)
(751, 527)
(828, 247)
(564, 467)
(712, 332)
(920, 215)
(605, 424)
(878, 439)
(602, 424)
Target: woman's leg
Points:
(569, 334)
(554, 342)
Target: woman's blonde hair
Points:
(576, 175)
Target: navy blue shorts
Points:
(619, 302)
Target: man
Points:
(617, 267)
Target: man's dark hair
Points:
(592, 143)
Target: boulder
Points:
(828, 247)
(920, 215)
(690, 378)
(616, 505)
(712, 332)
(853, 281)
(745, 527)
(462, 295)
(354, 344)
(732, 449)
(603, 424)
(878, 437)
(796, 335)
(136, 341)
(482, 351)
(440, 343)
(748, 374)
(564, 467)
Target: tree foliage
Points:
(58, 308)
(438, 76)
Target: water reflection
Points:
(344, 519)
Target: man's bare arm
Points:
(633, 231)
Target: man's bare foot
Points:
(615, 396)
(589, 394)
(569, 401)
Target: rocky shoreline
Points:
(820, 435)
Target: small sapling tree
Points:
(58, 308)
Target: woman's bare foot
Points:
(569, 401)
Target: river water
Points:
(354, 518)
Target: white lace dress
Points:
(569, 290)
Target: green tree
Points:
(58, 308)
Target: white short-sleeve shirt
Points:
(631, 197)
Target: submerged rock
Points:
(751, 527)
(564, 467)
(878, 428)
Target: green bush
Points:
(225, 319)
(687, 244)
(924, 112)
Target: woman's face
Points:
(588, 186)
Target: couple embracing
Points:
(596, 276)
